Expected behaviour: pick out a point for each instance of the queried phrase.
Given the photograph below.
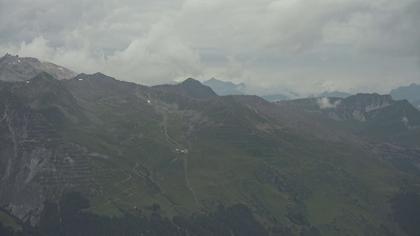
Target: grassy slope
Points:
(338, 188)
(286, 176)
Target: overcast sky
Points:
(300, 45)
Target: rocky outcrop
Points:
(15, 68)
(36, 163)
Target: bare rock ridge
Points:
(372, 115)
(15, 68)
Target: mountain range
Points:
(410, 93)
(334, 94)
(224, 88)
(92, 155)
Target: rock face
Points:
(410, 93)
(15, 68)
(360, 107)
(36, 162)
(112, 157)
(371, 115)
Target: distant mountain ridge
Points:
(223, 88)
(336, 94)
(276, 97)
(410, 93)
(369, 114)
(15, 68)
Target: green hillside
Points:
(117, 158)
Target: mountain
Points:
(15, 68)
(410, 93)
(94, 155)
(335, 94)
(223, 88)
(293, 96)
(372, 115)
(190, 88)
(275, 98)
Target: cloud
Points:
(158, 57)
(78, 59)
(326, 103)
(273, 45)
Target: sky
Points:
(305, 46)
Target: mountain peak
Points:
(14, 68)
(196, 89)
(8, 56)
(191, 81)
(97, 75)
(189, 88)
(16, 59)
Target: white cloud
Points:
(326, 103)
(307, 46)
(158, 57)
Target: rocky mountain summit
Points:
(15, 68)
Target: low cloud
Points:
(326, 103)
